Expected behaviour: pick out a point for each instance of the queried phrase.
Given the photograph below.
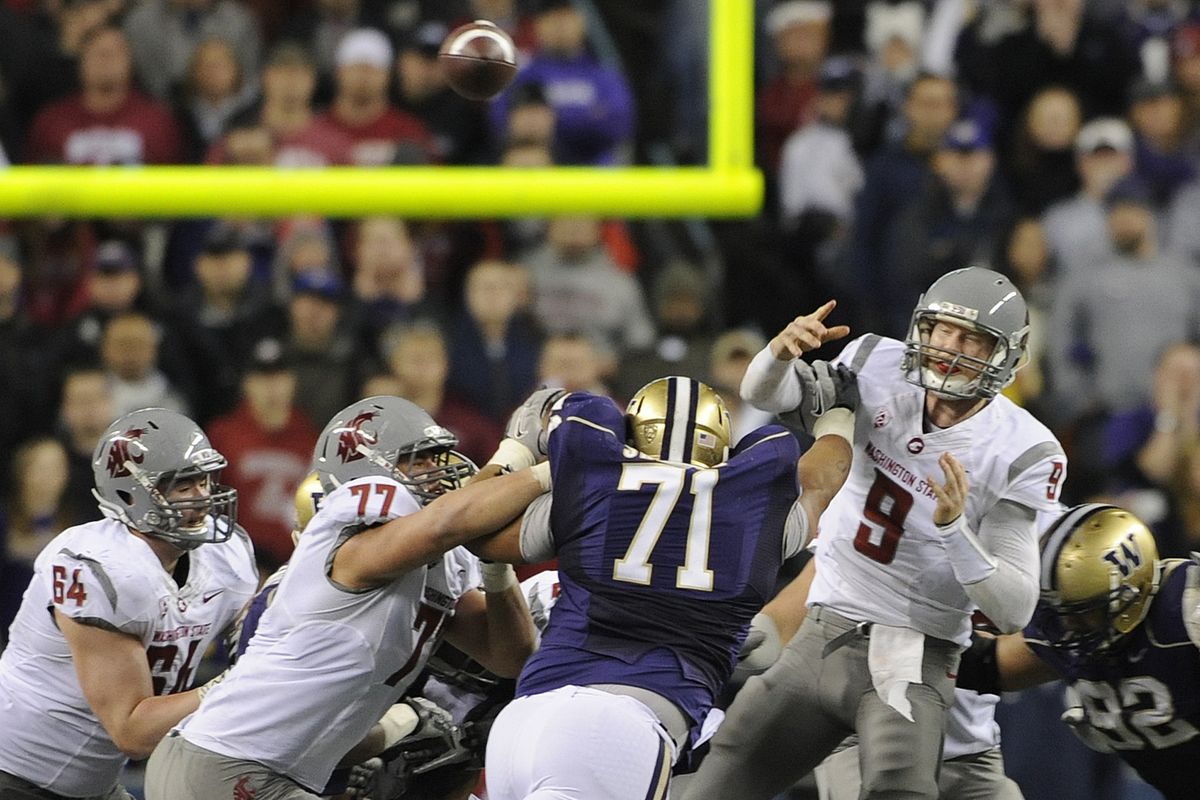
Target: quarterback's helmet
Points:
(978, 299)
(1099, 572)
(679, 419)
(386, 436)
(137, 464)
(308, 502)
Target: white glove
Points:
(527, 423)
(760, 650)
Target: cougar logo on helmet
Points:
(118, 453)
(352, 435)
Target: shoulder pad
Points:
(1191, 599)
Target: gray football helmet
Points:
(981, 300)
(142, 457)
(384, 436)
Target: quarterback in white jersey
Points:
(119, 613)
(366, 595)
(905, 555)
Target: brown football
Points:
(478, 60)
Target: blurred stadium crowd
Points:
(1055, 140)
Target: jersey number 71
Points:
(635, 566)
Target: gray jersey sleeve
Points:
(998, 566)
(537, 542)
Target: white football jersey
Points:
(881, 558)
(326, 662)
(101, 574)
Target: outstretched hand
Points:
(807, 333)
(951, 496)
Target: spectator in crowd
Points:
(1029, 264)
(37, 511)
(300, 137)
(820, 173)
(84, 412)
(361, 110)
(107, 121)
(578, 287)
(572, 361)
(1052, 43)
(1076, 229)
(1185, 71)
(213, 92)
(494, 346)
(592, 101)
(894, 175)
(458, 126)
(799, 31)
(681, 303)
(269, 444)
(531, 119)
(20, 355)
(39, 52)
(306, 246)
(956, 219)
(389, 278)
(1156, 111)
(247, 143)
(33, 514)
(1101, 349)
(321, 341)
(1042, 161)
(417, 357)
(1148, 27)
(164, 34)
(731, 354)
(1146, 446)
(129, 352)
(893, 37)
(56, 257)
(320, 26)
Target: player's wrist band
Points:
(497, 576)
(542, 473)
(399, 721)
(514, 455)
(835, 422)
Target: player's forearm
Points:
(510, 637)
(789, 608)
(998, 565)
(151, 720)
(771, 384)
(821, 471)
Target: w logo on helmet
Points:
(352, 435)
(119, 455)
(1126, 556)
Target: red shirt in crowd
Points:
(265, 468)
(377, 143)
(140, 131)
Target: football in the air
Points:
(478, 60)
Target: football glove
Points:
(824, 387)
(528, 423)
(759, 651)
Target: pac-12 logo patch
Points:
(882, 417)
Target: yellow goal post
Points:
(729, 186)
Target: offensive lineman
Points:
(904, 558)
(367, 594)
(103, 651)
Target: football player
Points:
(103, 652)
(1122, 628)
(905, 554)
(368, 592)
(668, 542)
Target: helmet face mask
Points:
(679, 419)
(393, 438)
(984, 303)
(1099, 572)
(156, 472)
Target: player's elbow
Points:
(134, 745)
(1014, 613)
